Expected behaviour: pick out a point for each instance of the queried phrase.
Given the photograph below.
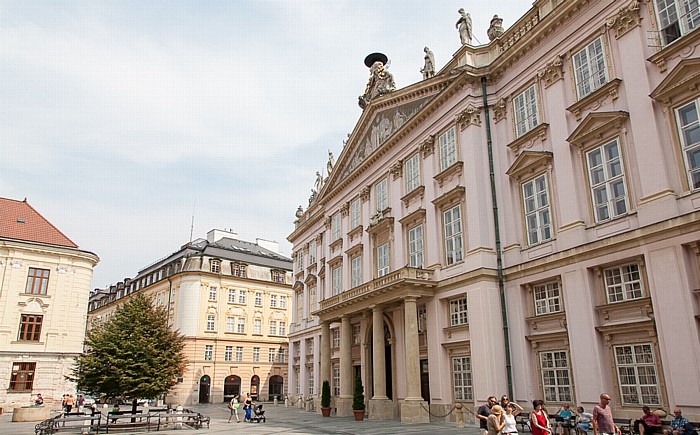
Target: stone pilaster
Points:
(413, 409)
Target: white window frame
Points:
(415, 246)
(256, 354)
(336, 381)
(590, 67)
(381, 194)
(356, 338)
(462, 378)
(383, 260)
(337, 280)
(556, 376)
(623, 283)
(283, 302)
(336, 338)
(240, 327)
(230, 324)
(257, 326)
(310, 377)
(454, 246)
(335, 227)
(271, 355)
(273, 301)
(214, 266)
(536, 206)
(242, 297)
(605, 177)
(412, 172)
(273, 327)
(547, 298)
(231, 296)
(355, 213)
(637, 374)
(300, 261)
(208, 352)
(239, 353)
(282, 328)
(228, 354)
(356, 271)
(525, 111)
(212, 294)
(258, 299)
(211, 323)
(448, 148)
(282, 355)
(312, 252)
(687, 128)
(675, 16)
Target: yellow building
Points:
(230, 299)
(44, 290)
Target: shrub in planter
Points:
(358, 397)
(326, 399)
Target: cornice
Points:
(684, 44)
(528, 139)
(302, 227)
(596, 98)
(448, 174)
(681, 82)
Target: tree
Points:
(358, 397)
(134, 354)
(326, 395)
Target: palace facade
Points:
(525, 222)
(230, 299)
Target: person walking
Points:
(603, 423)
(539, 420)
(233, 407)
(248, 408)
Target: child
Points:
(233, 406)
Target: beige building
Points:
(44, 290)
(231, 300)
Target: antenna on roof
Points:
(192, 224)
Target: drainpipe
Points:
(499, 259)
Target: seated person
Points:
(678, 424)
(39, 400)
(583, 422)
(565, 419)
(649, 423)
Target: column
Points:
(378, 363)
(325, 355)
(412, 410)
(344, 401)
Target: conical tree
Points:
(132, 355)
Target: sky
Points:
(132, 124)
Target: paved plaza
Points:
(280, 420)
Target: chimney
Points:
(269, 245)
(214, 236)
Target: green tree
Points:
(134, 354)
(358, 396)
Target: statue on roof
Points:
(429, 67)
(380, 80)
(464, 26)
(318, 185)
(495, 28)
(331, 163)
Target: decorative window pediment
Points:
(450, 198)
(681, 83)
(414, 218)
(310, 280)
(298, 286)
(596, 98)
(528, 163)
(529, 139)
(335, 261)
(596, 127)
(383, 224)
(357, 249)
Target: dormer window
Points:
(215, 266)
(238, 270)
(278, 276)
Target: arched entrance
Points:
(232, 387)
(276, 387)
(254, 387)
(204, 389)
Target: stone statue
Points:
(331, 163)
(380, 80)
(319, 182)
(464, 25)
(496, 28)
(429, 67)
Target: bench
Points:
(523, 419)
(74, 423)
(191, 419)
(625, 425)
(127, 420)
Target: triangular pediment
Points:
(597, 126)
(680, 83)
(529, 162)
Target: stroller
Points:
(258, 415)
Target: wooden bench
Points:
(74, 423)
(625, 425)
(523, 419)
(191, 419)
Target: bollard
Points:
(275, 401)
(286, 401)
(459, 415)
(178, 425)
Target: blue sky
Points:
(119, 120)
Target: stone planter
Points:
(31, 413)
(326, 412)
(359, 414)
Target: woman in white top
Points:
(512, 410)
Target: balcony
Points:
(395, 286)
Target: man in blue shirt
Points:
(679, 424)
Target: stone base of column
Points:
(413, 412)
(343, 406)
(381, 409)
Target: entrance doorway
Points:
(204, 389)
(254, 387)
(276, 387)
(424, 380)
(387, 362)
(232, 387)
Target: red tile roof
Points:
(19, 220)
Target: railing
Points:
(675, 30)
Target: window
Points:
(211, 320)
(300, 261)
(623, 283)
(337, 280)
(336, 381)
(230, 324)
(282, 355)
(355, 216)
(462, 377)
(278, 276)
(687, 117)
(636, 372)
(356, 334)
(336, 338)
(356, 271)
(422, 319)
(412, 172)
(212, 293)
(383, 260)
(310, 377)
(448, 149)
(537, 215)
(458, 312)
(312, 298)
(258, 299)
(335, 227)
(453, 235)
(415, 246)
(381, 195)
(257, 326)
(547, 298)
(241, 325)
(231, 295)
(283, 301)
(30, 327)
(273, 327)
(208, 352)
(312, 252)
(239, 353)
(256, 354)
(273, 301)
(22, 376)
(607, 181)
(676, 18)
(555, 376)
(37, 281)
(238, 269)
(271, 355)
(242, 296)
(300, 307)
(228, 353)
(589, 68)
(215, 266)
(525, 111)
(282, 328)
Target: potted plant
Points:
(358, 400)
(326, 399)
